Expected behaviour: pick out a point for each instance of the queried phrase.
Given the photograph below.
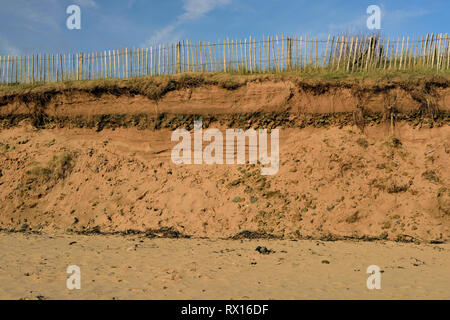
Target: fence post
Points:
(114, 75)
(233, 54)
(32, 68)
(424, 52)
(188, 66)
(333, 61)
(415, 53)
(282, 53)
(75, 68)
(224, 57)
(355, 53)
(444, 50)
(401, 54)
(200, 54)
(245, 55)
(90, 64)
(12, 69)
(183, 57)
(296, 53)
(215, 56)
(278, 55)
(432, 50)
(60, 66)
(167, 61)
(254, 54)
(410, 51)
(428, 53)
(210, 57)
(448, 53)
(206, 55)
(274, 54)
(7, 71)
(125, 65)
(396, 53)
(326, 51)
(289, 53)
(47, 59)
(190, 56)
(20, 70)
(168, 56)
(260, 56)
(80, 66)
(192, 64)
(340, 52)
(350, 54)
(178, 56)
(250, 54)
(58, 71)
(39, 67)
(196, 66)
(437, 49)
(438, 66)
(317, 49)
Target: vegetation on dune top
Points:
(155, 87)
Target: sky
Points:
(39, 26)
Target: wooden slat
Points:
(326, 51)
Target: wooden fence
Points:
(268, 54)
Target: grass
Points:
(56, 169)
(156, 86)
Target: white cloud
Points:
(131, 3)
(193, 10)
(86, 3)
(165, 35)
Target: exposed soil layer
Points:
(171, 101)
(357, 160)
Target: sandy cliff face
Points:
(361, 161)
(331, 181)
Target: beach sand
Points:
(135, 267)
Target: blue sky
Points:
(39, 26)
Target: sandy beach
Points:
(134, 267)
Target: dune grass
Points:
(155, 86)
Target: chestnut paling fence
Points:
(267, 54)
